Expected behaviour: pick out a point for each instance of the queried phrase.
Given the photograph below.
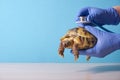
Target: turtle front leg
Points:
(75, 48)
(61, 50)
(75, 51)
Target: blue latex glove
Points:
(100, 16)
(106, 43)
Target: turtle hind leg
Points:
(75, 52)
(61, 50)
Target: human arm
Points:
(117, 8)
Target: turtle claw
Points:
(76, 57)
(88, 58)
(62, 55)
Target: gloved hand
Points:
(106, 43)
(100, 16)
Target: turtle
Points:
(76, 39)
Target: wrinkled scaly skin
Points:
(77, 39)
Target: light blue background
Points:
(30, 29)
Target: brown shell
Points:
(77, 39)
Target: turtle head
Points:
(67, 42)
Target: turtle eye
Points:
(68, 43)
(67, 36)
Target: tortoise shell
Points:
(77, 39)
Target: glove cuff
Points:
(116, 17)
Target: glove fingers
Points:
(86, 52)
(83, 12)
(93, 30)
(81, 25)
(91, 18)
(89, 52)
